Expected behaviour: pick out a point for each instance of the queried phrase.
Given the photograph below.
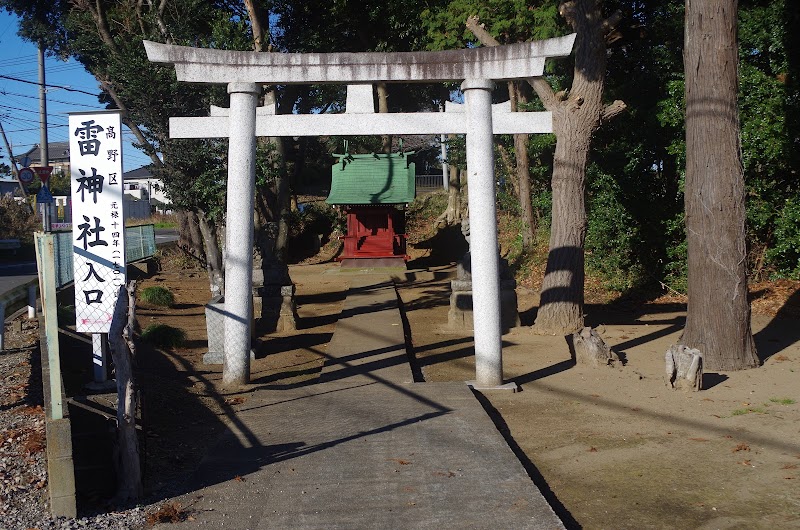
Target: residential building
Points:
(57, 156)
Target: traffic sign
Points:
(25, 175)
(26, 161)
(44, 195)
(43, 172)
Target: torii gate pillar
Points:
(483, 233)
(239, 233)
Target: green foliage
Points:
(508, 21)
(319, 218)
(17, 220)
(676, 266)
(158, 296)
(784, 254)
(507, 201)
(612, 235)
(164, 336)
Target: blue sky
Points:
(19, 101)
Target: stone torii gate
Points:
(245, 72)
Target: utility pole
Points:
(44, 155)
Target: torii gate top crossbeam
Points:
(512, 61)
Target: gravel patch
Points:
(23, 461)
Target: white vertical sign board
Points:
(98, 226)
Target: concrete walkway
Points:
(365, 447)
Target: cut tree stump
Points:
(589, 348)
(684, 368)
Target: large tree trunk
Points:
(523, 169)
(453, 213)
(284, 210)
(561, 300)
(574, 122)
(215, 265)
(718, 316)
(383, 108)
(277, 244)
(524, 179)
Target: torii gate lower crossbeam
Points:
(244, 121)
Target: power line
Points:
(68, 89)
(49, 100)
(37, 128)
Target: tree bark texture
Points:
(589, 348)
(523, 169)
(120, 337)
(453, 213)
(190, 239)
(561, 298)
(574, 122)
(684, 368)
(718, 313)
(383, 107)
(215, 265)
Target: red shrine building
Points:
(373, 190)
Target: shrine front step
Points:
(394, 262)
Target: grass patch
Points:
(157, 220)
(164, 336)
(782, 401)
(159, 296)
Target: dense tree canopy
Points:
(635, 170)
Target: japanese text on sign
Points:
(98, 219)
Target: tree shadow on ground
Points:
(782, 331)
(533, 472)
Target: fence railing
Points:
(140, 243)
(428, 183)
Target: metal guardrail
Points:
(140, 243)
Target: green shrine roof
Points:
(372, 179)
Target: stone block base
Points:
(278, 309)
(60, 468)
(460, 314)
(217, 357)
(215, 330)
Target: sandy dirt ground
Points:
(611, 447)
(614, 447)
